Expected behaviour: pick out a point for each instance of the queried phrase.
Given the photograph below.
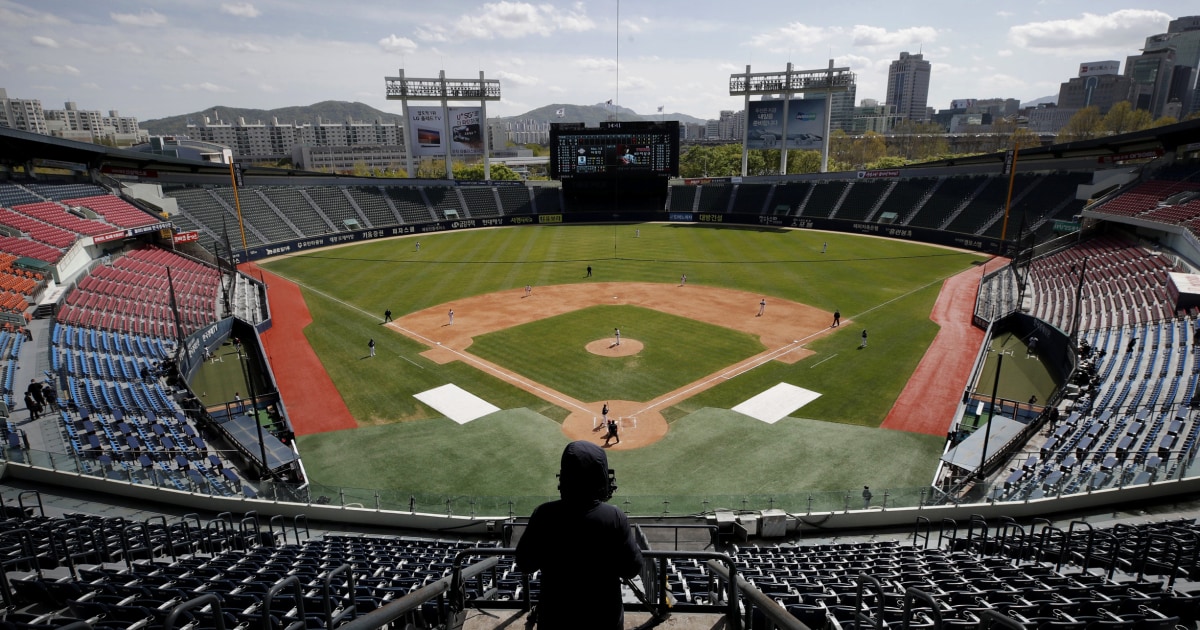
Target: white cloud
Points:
(205, 87)
(395, 44)
(790, 35)
(636, 25)
(594, 63)
(91, 85)
(184, 50)
(519, 79)
(512, 20)
(145, 18)
(1004, 53)
(1119, 29)
(268, 88)
(249, 47)
(1005, 14)
(54, 69)
(129, 47)
(240, 9)
(872, 37)
(16, 16)
(45, 42)
(432, 34)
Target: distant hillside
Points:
(340, 111)
(1053, 98)
(327, 111)
(592, 115)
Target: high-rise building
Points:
(908, 87)
(1151, 73)
(1099, 84)
(1183, 34)
(24, 114)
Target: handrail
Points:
(203, 600)
(381, 617)
(776, 614)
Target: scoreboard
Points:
(614, 149)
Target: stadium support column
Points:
(746, 126)
(446, 125)
(987, 428)
(408, 136)
(783, 144)
(828, 119)
(487, 133)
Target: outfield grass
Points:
(886, 286)
(677, 351)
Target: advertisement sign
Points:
(186, 237)
(1095, 68)
(428, 127)
(805, 126)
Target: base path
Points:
(930, 398)
(314, 404)
(784, 328)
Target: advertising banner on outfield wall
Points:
(428, 125)
(921, 235)
(805, 127)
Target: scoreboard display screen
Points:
(614, 149)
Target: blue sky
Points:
(155, 58)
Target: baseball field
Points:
(542, 362)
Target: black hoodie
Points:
(582, 545)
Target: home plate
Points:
(776, 403)
(456, 403)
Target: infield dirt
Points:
(783, 329)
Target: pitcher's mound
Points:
(609, 348)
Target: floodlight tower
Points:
(441, 141)
(823, 81)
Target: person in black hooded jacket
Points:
(582, 545)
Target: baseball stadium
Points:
(959, 394)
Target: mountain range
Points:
(340, 111)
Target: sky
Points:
(157, 58)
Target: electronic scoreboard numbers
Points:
(614, 149)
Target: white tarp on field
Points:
(456, 403)
(776, 403)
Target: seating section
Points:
(860, 200)
(203, 208)
(258, 214)
(1004, 569)
(118, 421)
(119, 573)
(823, 198)
(515, 199)
(375, 205)
(334, 204)
(114, 210)
(410, 204)
(751, 196)
(792, 195)
(480, 201)
(681, 198)
(446, 203)
(37, 230)
(132, 295)
(548, 200)
(1124, 285)
(998, 293)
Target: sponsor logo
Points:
(186, 237)
(492, 222)
(314, 243)
(272, 251)
(710, 218)
(521, 220)
(111, 236)
(680, 216)
(433, 227)
(866, 227)
(899, 232)
(408, 229)
(802, 223)
(770, 220)
(457, 225)
(550, 218)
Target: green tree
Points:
(1122, 118)
(475, 171)
(918, 141)
(886, 162)
(1163, 122)
(538, 150)
(1085, 124)
(1023, 138)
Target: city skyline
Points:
(155, 59)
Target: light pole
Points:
(987, 428)
(262, 444)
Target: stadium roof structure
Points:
(244, 431)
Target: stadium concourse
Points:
(131, 504)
